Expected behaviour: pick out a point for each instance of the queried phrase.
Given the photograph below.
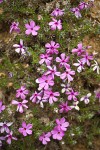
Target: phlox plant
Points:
(56, 84)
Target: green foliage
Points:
(24, 71)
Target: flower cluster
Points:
(84, 56)
(5, 130)
(59, 70)
(57, 133)
(60, 67)
(55, 23)
(80, 7)
(21, 93)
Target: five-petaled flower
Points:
(25, 129)
(5, 126)
(86, 98)
(57, 133)
(20, 105)
(64, 108)
(22, 92)
(45, 82)
(75, 105)
(35, 96)
(52, 47)
(14, 27)
(20, 48)
(80, 65)
(68, 74)
(45, 58)
(9, 137)
(86, 58)
(51, 96)
(66, 87)
(72, 95)
(45, 138)
(76, 11)
(52, 71)
(55, 24)
(62, 124)
(79, 50)
(31, 28)
(63, 60)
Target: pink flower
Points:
(80, 65)
(45, 58)
(1, 139)
(86, 58)
(49, 94)
(97, 94)
(45, 82)
(86, 98)
(57, 133)
(52, 71)
(68, 74)
(57, 12)
(45, 138)
(26, 129)
(79, 50)
(1, 1)
(35, 96)
(63, 60)
(82, 5)
(62, 124)
(55, 24)
(22, 92)
(31, 28)
(51, 48)
(64, 107)
(20, 105)
(72, 95)
(10, 137)
(20, 48)
(76, 11)
(5, 126)
(2, 107)
(14, 27)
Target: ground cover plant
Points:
(49, 79)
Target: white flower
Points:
(65, 88)
(86, 98)
(62, 142)
(56, 110)
(75, 105)
(41, 101)
(20, 48)
(95, 53)
(80, 65)
(96, 67)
